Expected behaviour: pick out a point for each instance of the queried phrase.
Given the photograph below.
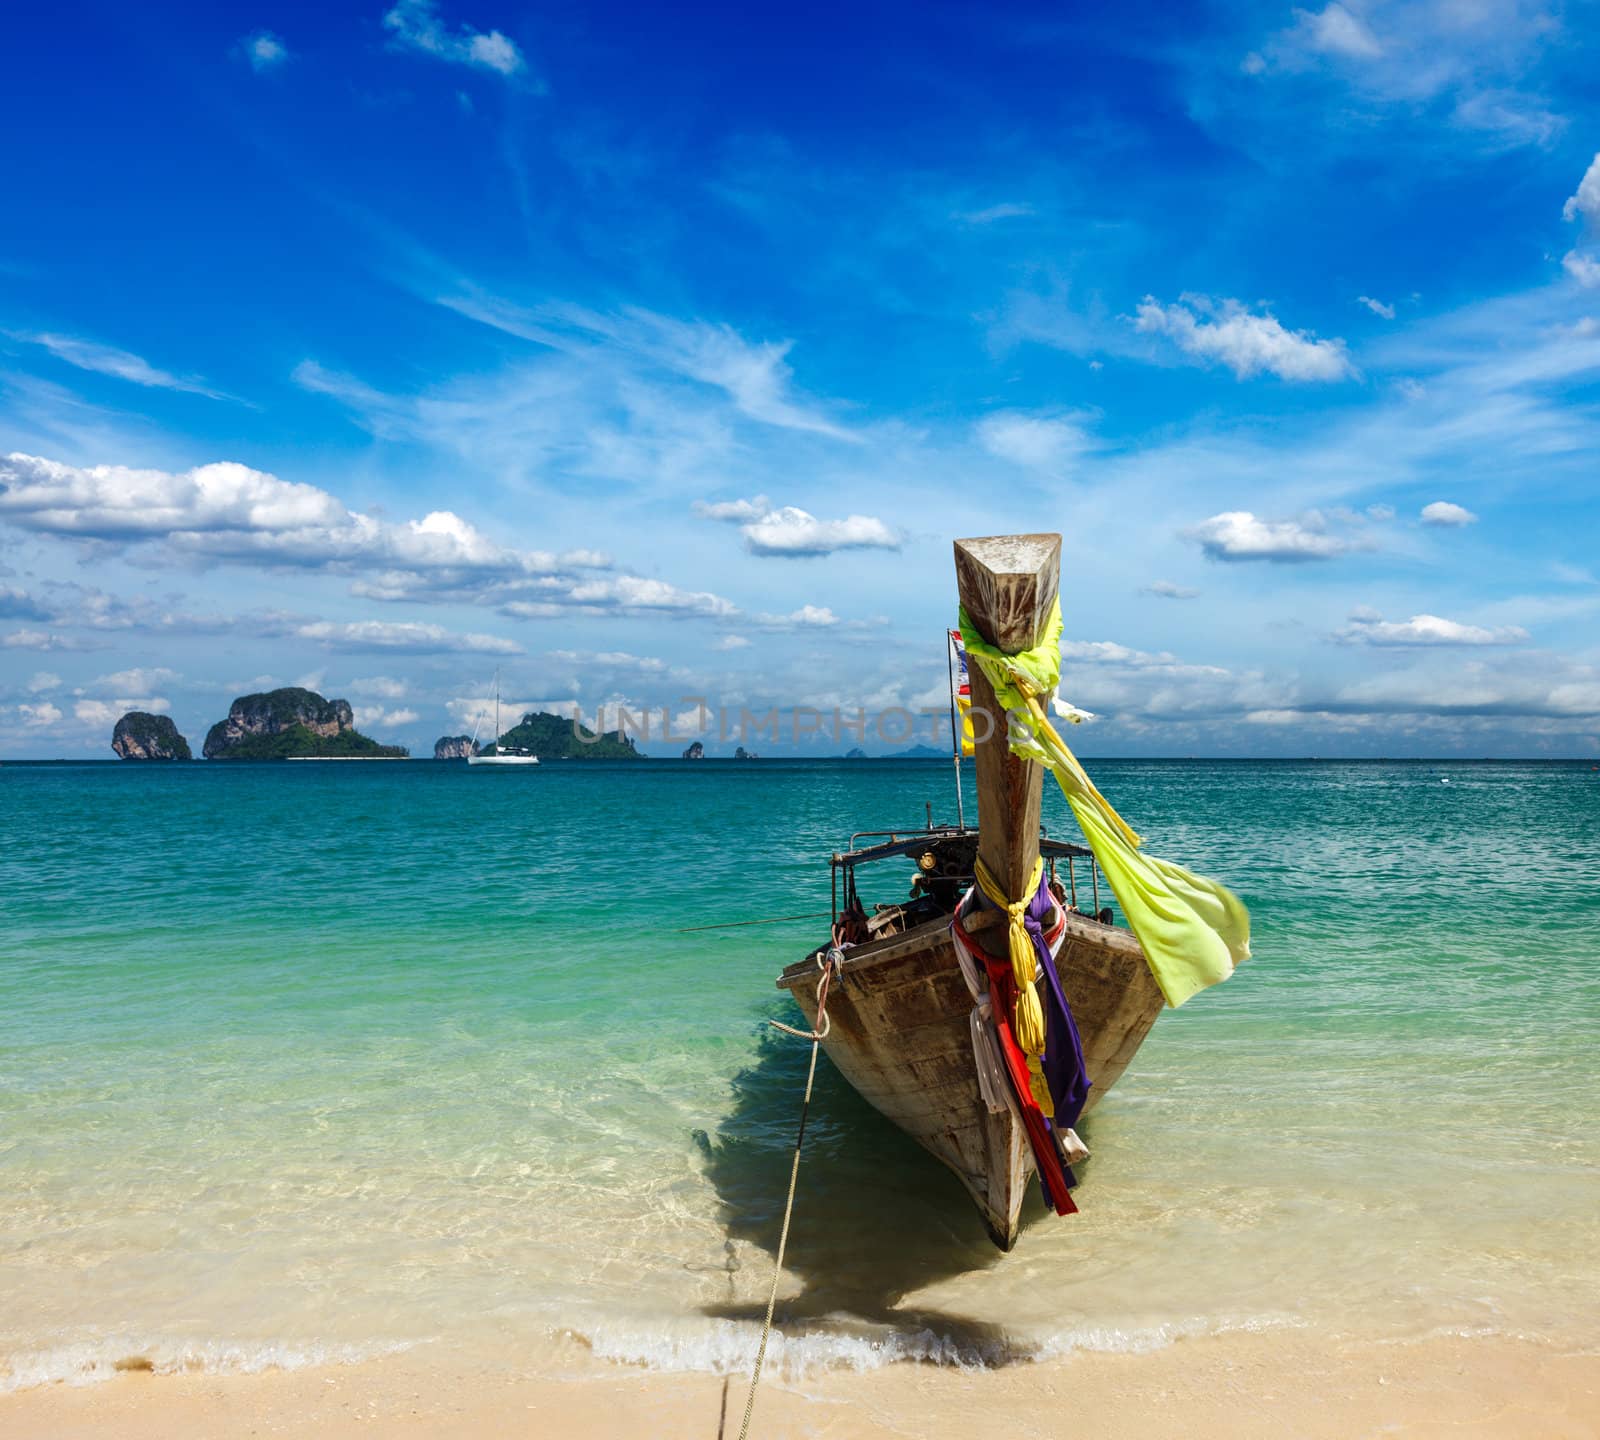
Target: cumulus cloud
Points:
(29, 639)
(1583, 268)
(229, 512)
(1246, 342)
(415, 637)
(264, 51)
(1036, 441)
(108, 360)
(17, 604)
(790, 532)
(375, 717)
(40, 715)
(1444, 513)
(1368, 628)
(1168, 591)
(137, 681)
(613, 595)
(415, 25)
(1238, 535)
(1376, 306)
(384, 686)
(807, 617)
(108, 712)
(731, 642)
(43, 680)
(1584, 202)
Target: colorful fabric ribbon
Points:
(1193, 930)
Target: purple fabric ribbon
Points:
(1064, 1070)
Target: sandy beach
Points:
(1242, 1386)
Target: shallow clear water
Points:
(312, 1060)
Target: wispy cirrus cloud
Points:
(1248, 342)
(108, 360)
(416, 25)
(1049, 441)
(1474, 63)
(754, 375)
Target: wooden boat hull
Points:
(900, 1035)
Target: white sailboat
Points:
(500, 756)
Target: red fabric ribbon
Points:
(1002, 999)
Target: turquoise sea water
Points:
(307, 1061)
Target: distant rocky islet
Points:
(293, 723)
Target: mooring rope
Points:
(816, 1037)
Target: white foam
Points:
(723, 1347)
(89, 1362)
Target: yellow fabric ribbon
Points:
(1027, 1015)
(1193, 929)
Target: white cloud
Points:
(1239, 535)
(791, 532)
(754, 375)
(407, 636)
(807, 617)
(635, 594)
(227, 511)
(108, 712)
(37, 716)
(42, 681)
(384, 686)
(731, 642)
(1376, 306)
(1583, 268)
(137, 681)
(107, 360)
(372, 717)
(1168, 591)
(990, 214)
(415, 25)
(1443, 512)
(37, 640)
(264, 50)
(1247, 343)
(1037, 441)
(737, 512)
(1366, 628)
(1336, 31)
(1585, 201)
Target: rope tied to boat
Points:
(828, 962)
(1027, 1014)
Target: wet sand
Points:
(1272, 1386)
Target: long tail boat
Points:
(898, 1008)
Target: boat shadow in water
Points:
(876, 1217)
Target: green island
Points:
(291, 724)
(559, 737)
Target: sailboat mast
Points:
(496, 709)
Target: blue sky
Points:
(659, 352)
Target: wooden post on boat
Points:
(1007, 585)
